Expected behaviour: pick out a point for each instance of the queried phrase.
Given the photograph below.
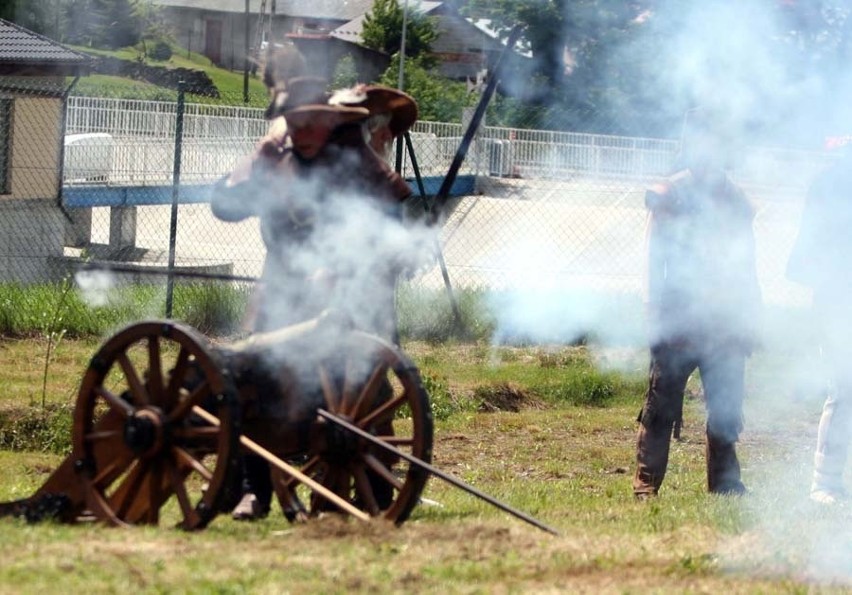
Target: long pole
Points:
(288, 469)
(402, 46)
(401, 82)
(246, 61)
(438, 250)
(435, 471)
(170, 283)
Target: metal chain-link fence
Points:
(127, 181)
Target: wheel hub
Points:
(143, 432)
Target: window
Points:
(5, 143)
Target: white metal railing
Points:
(213, 135)
(132, 117)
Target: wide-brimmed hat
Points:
(324, 115)
(379, 99)
(297, 91)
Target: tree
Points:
(35, 16)
(438, 99)
(118, 24)
(382, 29)
(572, 43)
(345, 73)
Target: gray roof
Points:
(22, 46)
(335, 10)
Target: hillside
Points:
(228, 83)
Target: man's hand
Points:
(273, 144)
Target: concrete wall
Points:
(31, 235)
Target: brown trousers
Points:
(722, 377)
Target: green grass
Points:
(229, 83)
(549, 430)
(567, 465)
(58, 310)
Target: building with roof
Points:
(324, 31)
(34, 86)
(223, 29)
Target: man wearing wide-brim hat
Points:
(314, 157)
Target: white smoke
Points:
(95, 286)
(764, 84)
(332, 247)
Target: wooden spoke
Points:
(376, 465)
(187, 459)
(129, 488)
(176, 375)
(206, 433)
(155, 372)
(104, 508)
(289, 480)
(329, 392)
(382, 413)
(397, 440)
(105, 472)
(179, 487)
(365, 490)
(103, 435)
(137, 389)
(201, 392)
(370, 389)
(116, 403)
(347, 399)
(155, 491)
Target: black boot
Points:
(723, 468)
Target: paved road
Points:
(543, 234)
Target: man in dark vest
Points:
(704, 304)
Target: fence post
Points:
(170, 282)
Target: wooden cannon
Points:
(162, 412)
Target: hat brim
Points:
(401, 106)
(327, 116)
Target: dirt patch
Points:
(504, 396)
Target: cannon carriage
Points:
(163, 414)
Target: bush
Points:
(444, 403)
(43, 429)
(161, 51)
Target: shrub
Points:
(444, 403)
(44, 429)
(161, 51)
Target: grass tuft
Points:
(37, 429)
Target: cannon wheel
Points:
(136, 441)
(373, 385)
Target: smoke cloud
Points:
(762, 78)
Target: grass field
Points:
(559, 458)
(229, 83)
